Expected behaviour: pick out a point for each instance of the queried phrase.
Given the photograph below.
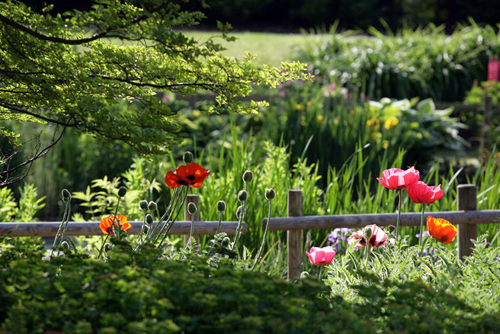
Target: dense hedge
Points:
(139, 294)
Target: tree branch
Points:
(5, 174)
(94, 37)
(18, 110)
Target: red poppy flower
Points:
(191, 175)
(321, 256)
(107, 224)
(422, 193)
(378, 237)
(395, 178)
(441, 229)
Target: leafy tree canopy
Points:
(72, 70)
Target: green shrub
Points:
(126, 294)
(133, 293)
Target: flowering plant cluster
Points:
(373, 236)
(156, 228)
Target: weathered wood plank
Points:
(381, 219)
(49, 229)
(466, 200)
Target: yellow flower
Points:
(390, 123)
(319, 119)
(376, 135)
(299, 107)
(196, 113)
(385, 145)
(309, 104)
(373, 123)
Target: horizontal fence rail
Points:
(380, 219)
(49, 229)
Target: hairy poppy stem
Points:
(220, 223)
(399, 216)
(115, 220)
(170, 222)
(62, 228)
(102, 247)
(367, 254)
(422, 229)
(261, 249)
(190, 243)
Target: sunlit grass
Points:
(270, 49)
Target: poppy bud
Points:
(143, 205)
(240, 212)
(66, 195)
(242, 195)
(122, 191)
(149, 219)
(247, 176)
(187, 157)
(368, 233)
(221, 206)
(152, 206)
(65, 244)
(192, 208)
(270, 194)
(225, 242)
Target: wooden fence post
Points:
(467, 200)
(294, 238)
(187, 216)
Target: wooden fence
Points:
(466, 218)
(49, 229)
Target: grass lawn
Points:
(270, 48)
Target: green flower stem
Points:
(220, 223)
(170, 222)
(66, 217)
(191, 233)
(399, 217)
(142, 227)
(261, 249)
(62, 228)
(152, 232)
(367, 254)
(422, 228)
(174, 205)
(102, 247)
(238, 229)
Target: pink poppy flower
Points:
(395, 178)
(493, 69)
(377, 239)
(321, 256)
(422, 193)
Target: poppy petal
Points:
(172, 179)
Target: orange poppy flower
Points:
(191, 175)
(441, 229)
(107, 225)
